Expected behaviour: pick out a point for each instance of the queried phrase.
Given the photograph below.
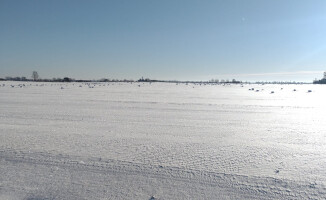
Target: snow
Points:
(162, 141)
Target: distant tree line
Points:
(224, 81)
(322, 81)
(8, 78)
(35, 77)
(65, 79)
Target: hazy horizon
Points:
(263, 77)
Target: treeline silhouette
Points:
(35, 77)
(322, 81)
(65, 79)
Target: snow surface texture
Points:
(162, 141)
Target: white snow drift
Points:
(162, 141)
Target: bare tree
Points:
(34, 75)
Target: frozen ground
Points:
(162, 141)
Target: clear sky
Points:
(167, 39)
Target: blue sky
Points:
(184, 40)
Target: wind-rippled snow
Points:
(162, 141)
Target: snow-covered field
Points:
(162, 141)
